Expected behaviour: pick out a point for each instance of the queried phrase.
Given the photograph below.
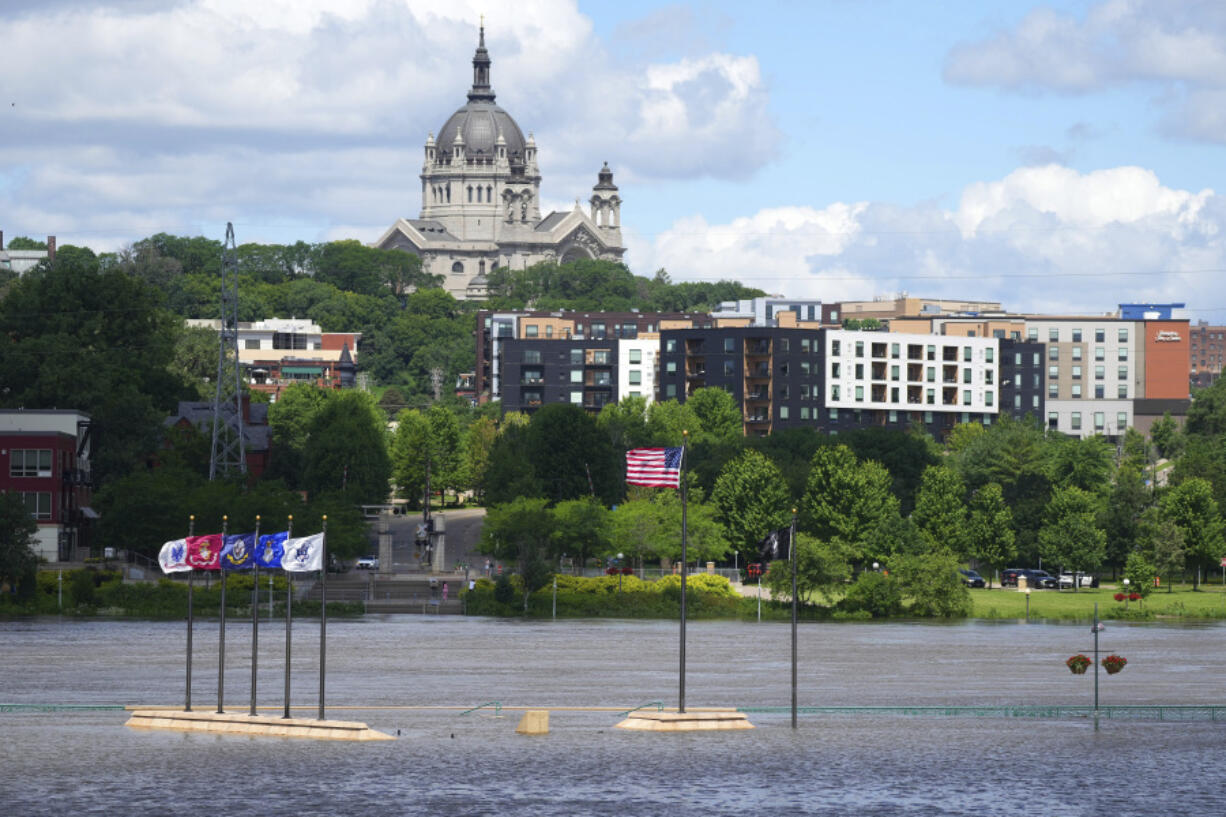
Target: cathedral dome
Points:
(481, 122)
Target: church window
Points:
(470, 193)
(448, 190)
(489, 193)
(457, 267)
(481, 267)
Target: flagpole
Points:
(221, 639)
(255, 609)
(792, 554)
(289, 618)
(323, 613)
(187, 700)
(684, 569)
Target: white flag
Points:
(173, 557)
(304, 555)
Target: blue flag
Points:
(271, 549)
(238, 552)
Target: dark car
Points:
(972, 579)
(1038, 579)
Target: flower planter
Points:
(1078, 664)
(1114, 663)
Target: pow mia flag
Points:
(777, 545)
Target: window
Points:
(1017, 358)
(932, 353)
(1122, 391)
(636, 355)
(1100, 372)
(966, 354)
(784, 345)
(804, 345)
(784, 392)
(532, 356)
(38, 503)
(834, 393)
(1053, 391)
(987, 398)
(833, 414)
(894, 352)
(1036, 359)
(1053, 419)
(576, 397)
(987, 377)
(835, 369)
(1076, 336)
(859, 348)
(670, 390)
(1123, 336)
(30, 462)
(989, 355)
(1053, 335)
(930, 397)
(251, 343)
(931, 375)
(783, 412)
(636, 377)
(893, 416)
(966, 375)
(804, 412)
(729, 345)
(1076, 372)
(1017, 401)
(1100, 421)
(1123, 355)
(1100, 335)
(1100, 353)
(859, 394)
(1075, 422)
(670, 345)
(1076, 353)
(576, 375)
(1032, 333)
(1053, 372)
(859, 371)
(530, 330)
(1098, 392)
(1053, 353)
(834, 348)
(671, 367)
(893, 372)
(1034, 401)
(549, 331)
(804, 368)
(729, 368)
(1076, 391)
(966, 397)
(576, 357)
(1121, 421)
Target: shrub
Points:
(874, 594)
(504, 590)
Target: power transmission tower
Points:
(229, 450)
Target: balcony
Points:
(757, 348)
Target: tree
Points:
(478, 444)
(581, 528)
(1084, 464)
(933, 584)
(21, 242)
(1138, 452)
(940, 509)
(705, 536)
(821, 569)
(845, 499)
(667, 419)
(625, 422)
(1128, 499)
(1166, 434)
(718, 415)
(1207, 414)
(571, 457)
(990, 528)
(1161, 542)
(1140, 573)
(1070, 536)
(17, 559)
(635, 529)
(521, 530)
(195, 360)
(905, 454)
(290, 420)
(409, 449)
(346, 450)
(509, 473)
(751, 499)
(1190, 505)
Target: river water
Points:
(445, 763)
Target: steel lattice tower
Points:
(229, 453)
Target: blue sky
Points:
(1061, 156)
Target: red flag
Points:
(204, 552)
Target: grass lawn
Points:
(1181, 602)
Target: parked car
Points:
(367, 563)
(1037, 579)
(972, 579)
(1083, 580)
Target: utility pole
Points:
(228, 453)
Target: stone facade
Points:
(481, 192)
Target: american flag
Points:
(655, 467)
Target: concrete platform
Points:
(709, 720)
(253, 726)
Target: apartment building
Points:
(1207, 347)
(536, 372)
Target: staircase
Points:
(399, 593)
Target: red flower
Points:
(1134, 596)
(1120, 596)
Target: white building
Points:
(637, 366)
(892, 372)
(481, 194)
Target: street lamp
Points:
(619, 572)
(876, 567)
(1126, 583)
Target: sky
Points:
(1055, 157)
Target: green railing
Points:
(496, 704)
(1112, 712)
(61, 707)
(659, 705)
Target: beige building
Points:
(481, 201)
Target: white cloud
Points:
(1043, 239)
(1180, 44)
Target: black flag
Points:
(777, 545)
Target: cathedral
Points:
(480, 201)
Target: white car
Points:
(367, 563)
(1086, 580)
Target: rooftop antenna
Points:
(228, 451)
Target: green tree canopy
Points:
(1191, 507)
(751, 500)
(990, 528)
(17, 558)
(571, 457)
(1070, 537)
(821, 569)
(940, 510)
(846, 500)
(521, 530)
(718, 414)
(346, 450)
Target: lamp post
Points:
(876, 567)
(1027, 603)
(619, 572)
(1126, 583)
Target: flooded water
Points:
(448, 764)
